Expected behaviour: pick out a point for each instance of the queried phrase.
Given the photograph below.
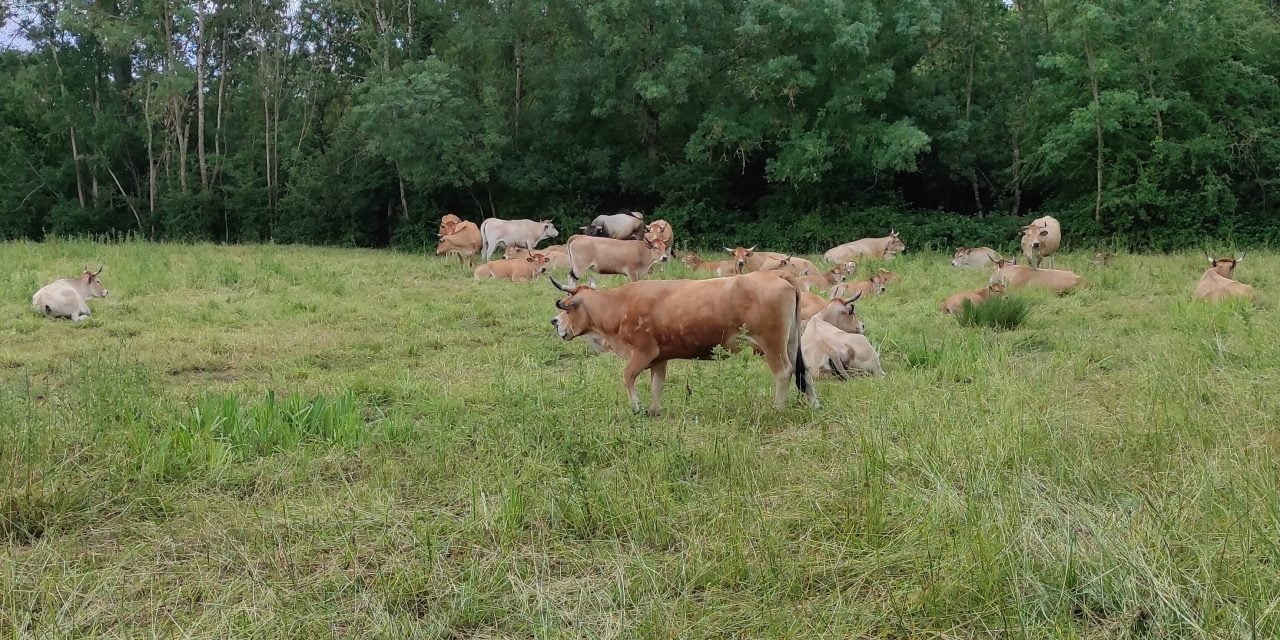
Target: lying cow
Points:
(838, 312)
(1218, 282)
(719, 268)
(874, 285)
(826, 281)
(516, 270)
(954, 303)
(630, 258)
(1040, 240)
(650, 323)
(557, 257)
(628, 225)
(1016, 276)
(1102, 258)
(828, 350)
(876, 248)
(69, 297)
(523, 233)
(462, 240)
(793, 265)
(974, 257)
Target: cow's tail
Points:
(802, 373)
(484, 238)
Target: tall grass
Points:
(998, 313)
(288, 441)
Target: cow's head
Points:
(93, 284)
(996, 289)
(1225, 267)
(659, 247)
(1101, 258)
(960, 255)
(548, 231)
(593, 230)
(658, 227)
(843, 271)
(895, 245)
(842, 314)
(573, 320)
(740, 256)
(539, 261)
(887, 276)
(878, 284)
(1000, 274)
(1034, 234)
(448, 223)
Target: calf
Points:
(720, 268)
(631, 258)
(1016, 276)
(524, 233)
(873, 285)
(877, 248)
(650, 323)
(1040, 240)
(69, 297)
(835, 276)
(828, 350)
(954, 303)
(515, 270)
(462, 240)
(1218, 282)
(974, 257)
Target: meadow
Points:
(273, 442)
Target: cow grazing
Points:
(628, 225)
(720, 268)
(631, 258)
(447, 222)
(515, 270)
(954, 303)
(1017, 276)
(828, 350)
(1218, 282)
(462, 240)
(876, 248)
(650, 323)
(873, 285)
(1040, 240)
(825, 281)
(69, 297)
(524, 233)
(974, 257)
(660, 230)
(1102, 258)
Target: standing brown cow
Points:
(459, 238)
(630, 258)
(650, 323)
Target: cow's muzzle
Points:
(561, 329)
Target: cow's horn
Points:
(100, 267)
(853, 298)
(1239, 259)
(559, 286)
(753, 248)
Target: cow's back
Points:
(58, 298)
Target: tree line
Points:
(793, 123)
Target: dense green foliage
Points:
(347, 121)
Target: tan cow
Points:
(720, 268)
(828, 350)
(650, 323)
(462, 240)
(1040, 240)
(628, 225)
(825, 281)
(660, 230)
(447, 222)
(876, 248)
(889, 277)
(1218, 282)
(517, 270)
(557, 256)
(631, 258)
(1017, 276)
(743, 258)
(954, 303)
(974, 257)
(69, 297)
(873, 285)
(841, 313)
(794, 265)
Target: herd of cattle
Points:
(759, 299)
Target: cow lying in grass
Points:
(69, 297)
(832, 345)
(1218, 282)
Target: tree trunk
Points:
(1097, 129)
(968, 118)
(71, 127)
(200, 64)
(218, 132)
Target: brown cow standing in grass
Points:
(1016, 276)
(650, 323)
(954, 303)
(459, 238)
(69, 297)
(1218, 282)
(516, 270)
(1041, 240)
(630, 258)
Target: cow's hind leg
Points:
(782, 363)
(657, 377)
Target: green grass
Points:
(1006, 313)
(282, 442)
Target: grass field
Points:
(283, 442)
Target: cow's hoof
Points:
(653, 413)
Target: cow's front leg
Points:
(639, 362)
(657, 377)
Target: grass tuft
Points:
(997, 313)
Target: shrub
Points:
(998, 313)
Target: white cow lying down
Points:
(828, 350)
(68, 297)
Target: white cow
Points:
(523, 233)
(68, 297)
(628, 225)
(828, 350)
